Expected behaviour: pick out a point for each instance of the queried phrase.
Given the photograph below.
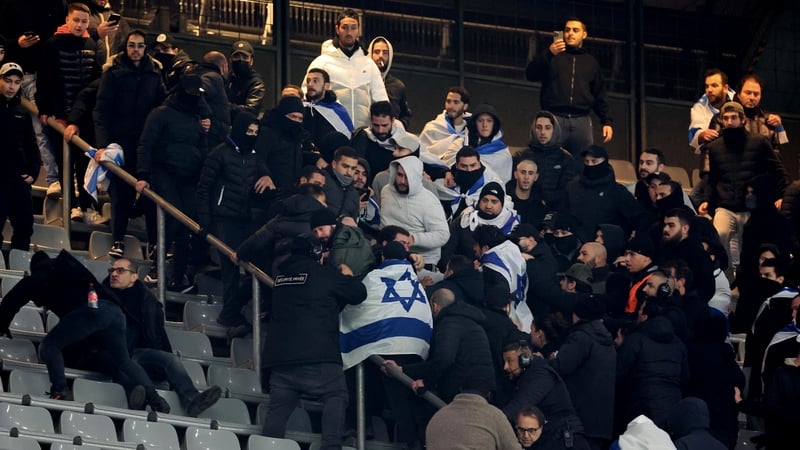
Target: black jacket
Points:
(281, 144)
(778, 408)
(603, 200)
(652, 367)
(458, 344)
(172, 140)
(691, 252)
(126, 96)
(81, 112)
(303, 327)
(61, 284)
(68, 66)
(587, 361)
(467, 285)
(501, 331)
(688, 425)
(342, 200)
(735, 162)
(572, 83)
(17, 142)
(217, 97)
(145, 319)
(556, 168)
(246, 93)
(532, 209)
(396, 90)
(543, 267)
(42, 17)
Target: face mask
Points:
(486, 216)
(734, 134)
(750, 201)
(165, 59)
(246, 143)
(566, 244)
(241, 68)
(466, 180)
(343, 179)
(550, 239)
(595, 172)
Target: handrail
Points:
(185, 220)
(407, 381)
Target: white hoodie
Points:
(419, 211)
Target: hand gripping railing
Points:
(163, 205)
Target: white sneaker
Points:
(76, 214)
(54, 190)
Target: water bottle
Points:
(92, 297)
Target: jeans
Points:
(233, 233)
(730, 225)
(326, 381)
(576, 132)
(181, 193)
(161, 365)
(105, 327)
(48, 160)
(16, 205)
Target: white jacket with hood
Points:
(356, 80)
(419, 211)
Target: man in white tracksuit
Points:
(354, 77)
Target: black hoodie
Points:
(688, 425)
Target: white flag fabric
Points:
(395, 319)
(507, 260)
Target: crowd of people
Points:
(550, 306)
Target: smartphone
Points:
(114, 18)
(558, 35)
(29, 34)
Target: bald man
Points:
(594, 255)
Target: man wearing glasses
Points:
(148, 342)
(529, 426)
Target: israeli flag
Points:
(395, 319)
(336, 115)
(507, 260)
(96, 175)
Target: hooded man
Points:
(354, 77)
(556, 165)
(406, 203)
(490, 210)
(486, 136)
(382, 53)
(174, 61)
(231, 175)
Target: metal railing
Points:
(258, 275)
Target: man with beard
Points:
(324, 116)
(716, 94)
(490, 210)
(556, 165)
(385, 140)
(446, 134)
(735, 160)
(246, 88)
(231, 175)
(651, 161)
(382, 53)
(342, 197)
(759, 121)
(354, 77)
(526, 193)
(405, 202)
(342, 244)
(464, 182)
(369, 211)
(597, 198)
(595, 256)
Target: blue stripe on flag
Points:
(382, 329)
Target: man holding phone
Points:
(104, 28)
(572, 87)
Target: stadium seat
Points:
(51, 320)
(193, 345)
(31, 418)
(175, 406)
(99, 393)
(65, 446)
(624, 171)
(679, 175)
(196, 373)
(18, 350)
(25, 382)
(203, 439)
(242, 353)
(9, 279)
(202, 317)
(88, 426)
(256, 442)
(244, 384)
(21, 443)
(50, 237)
(19, 259)
(152, 434)
(100, 243)
(228, 410)
(28, 323)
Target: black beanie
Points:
(290, 104)
(494, 188)
(322, 217)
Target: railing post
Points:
(161, 254)
(360, 409)
(67, 188)
(256, 326)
